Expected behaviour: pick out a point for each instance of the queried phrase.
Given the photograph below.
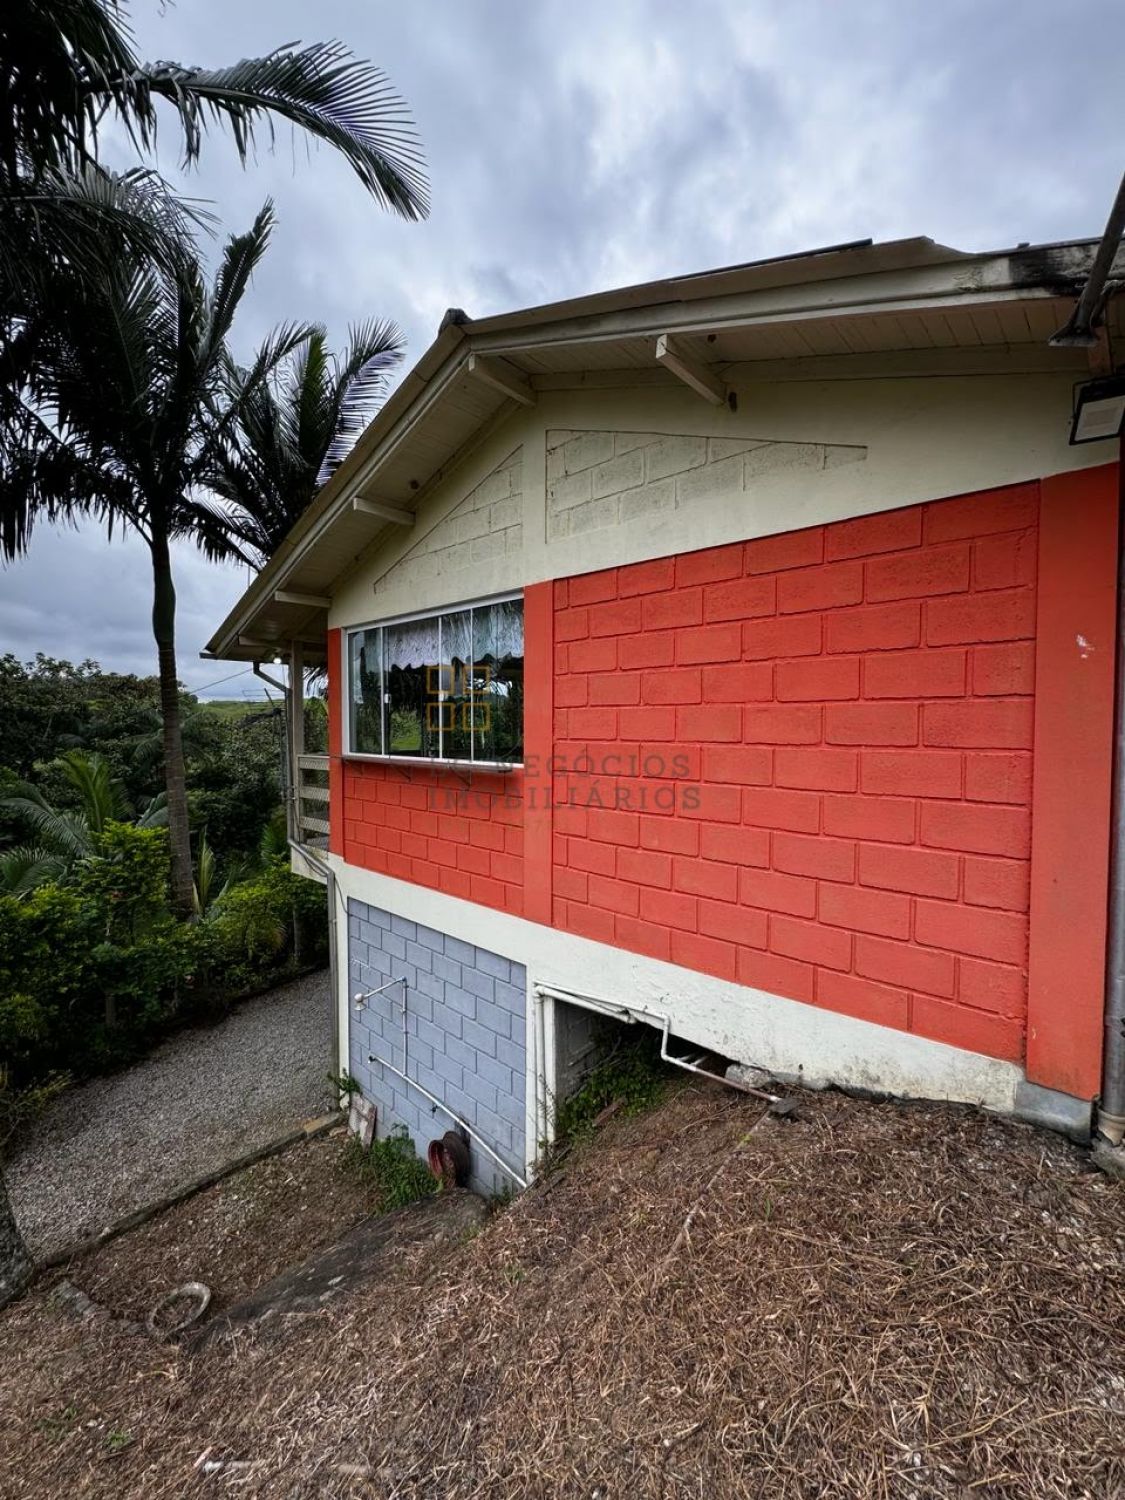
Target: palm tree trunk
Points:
(15, 1261)
(175, 779)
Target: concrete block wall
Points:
(602, 479)
(463, 837)
(486, 524)
(466, 1036)
(803, 764)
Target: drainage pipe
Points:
(631, 1014)
(1079, 328)
(273, 682)
(312, 858)
(1111, 1114)
(456, 1118)
(333, 966)
(545, 1109)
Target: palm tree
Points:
(143, 394)
(65, 219)
(65, 65)
(63, 836)
(295, 429)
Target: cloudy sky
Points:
(575, 145)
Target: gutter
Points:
(1111, 1111)
(683, 304)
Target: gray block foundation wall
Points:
(466, 1038)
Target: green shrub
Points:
(633, 1073)
(271, 921)
(392, 1167)
(19, 1107)
(94, 973)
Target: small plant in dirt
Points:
(20, 1108)
(632, 1074)
(59, 1425)
(392, 1168)
(117, 1439)
(345, 1085)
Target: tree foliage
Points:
(295, 429)
(67, 65)
(94, 972)
(50, 707)
(118, 390)
(60, 838)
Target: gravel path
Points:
(204, 1097)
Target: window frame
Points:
(435, 612)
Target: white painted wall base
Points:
(785, 1037)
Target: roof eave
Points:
(337, 490)
(639, 311)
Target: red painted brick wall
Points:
(804, 763)
(458, 833)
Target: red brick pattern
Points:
(803, 763)
(455, 833)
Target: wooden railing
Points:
(310, 798)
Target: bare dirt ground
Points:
(871, 1300)
(235, 1235)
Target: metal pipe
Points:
(630, 1013)
(273, 682)
(361, 997)
(1079, 327)
(1111, 1113)
(456, 1118)
(542, 1087)
(289, 772)
(404, 1074)
(333, 969)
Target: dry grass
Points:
(875, 1300)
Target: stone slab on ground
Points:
(357, 1257)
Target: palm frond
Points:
(27, 867)
(47, 51)
(307, 414)
(66, 63)
(155, 814)
(375, 349)
(205, 889)
(77, 222)
(322, 88)
(65, 833)
(241, 256)
(43, 477)
(274, 842)
(102, 797)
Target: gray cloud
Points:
(575, 145)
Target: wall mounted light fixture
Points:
(1099, 411)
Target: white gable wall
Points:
(650, 471)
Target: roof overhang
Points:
(855, 310)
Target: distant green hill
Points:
(234, 708)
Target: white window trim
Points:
(440, 762)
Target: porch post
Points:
(296, 728)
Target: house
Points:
(732, 654)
